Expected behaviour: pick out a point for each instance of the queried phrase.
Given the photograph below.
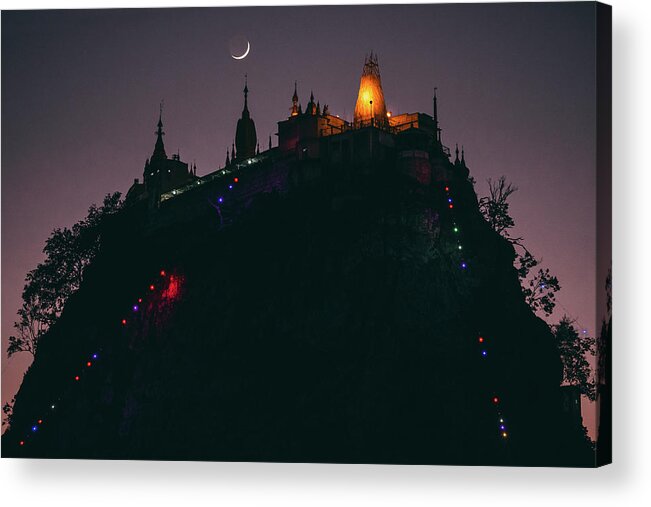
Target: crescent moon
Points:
(248, 48)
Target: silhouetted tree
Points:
(574, 347)
(539, 290)
(50, 284)
(7, 412)
(495, 207)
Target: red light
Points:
(22, 442)
(447, 189)
(40, 421)
(139, 300)
(77, 377)
(496, 399)
(151, 287)
(124, 322)
(88, 364)
(451, 206)
(162, 272)
(236, 180)
(481, 340)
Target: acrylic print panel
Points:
(349, 234)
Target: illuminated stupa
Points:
(370, 99)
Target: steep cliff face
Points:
(381, 324)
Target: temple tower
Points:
(245, 135)
(370, 107)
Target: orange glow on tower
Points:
(370, 99)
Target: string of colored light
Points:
(220, 198)
(92, 358)
(481, 340)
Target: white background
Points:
(626, 482)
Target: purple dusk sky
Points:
(81, 91)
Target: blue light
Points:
(230, 187)
(483, 353)
(464, 265)
(135, 308)
(221, 199)
(449, 199)
(34, 428)
(502, 427)
(94, 356)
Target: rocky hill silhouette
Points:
(374, 322)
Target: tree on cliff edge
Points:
(574, 347)
(540, 289)
(68, 251)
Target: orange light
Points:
(40, 421)
(236, 180)
(481, 339)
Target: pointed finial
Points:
(456, 151)
(436, 113)
(295, 101)
(269, 142)
(463, 155)
(159, 147)
(246, 95)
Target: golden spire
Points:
(370, 99)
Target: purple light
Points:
(135, 308)
(221, 199)
(230, 187)
(464, 265)
(502, 427)
(94, 356)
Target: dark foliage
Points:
(574, 347)
(539, 290)
(48, 286)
